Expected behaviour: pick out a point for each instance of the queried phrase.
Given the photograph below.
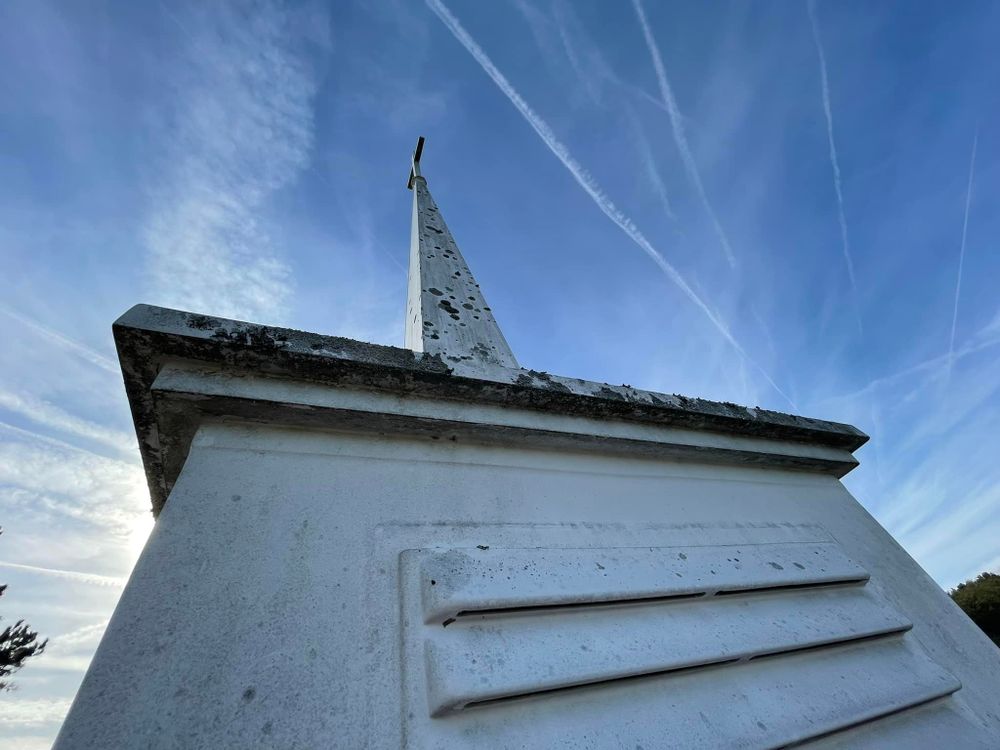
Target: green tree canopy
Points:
(18, 643)
(979, 598)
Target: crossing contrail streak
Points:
(834, 161)
(71, 575)
(961, 251)
(588, 183)
(63, 342)
(649, 164)
(929, 365)
(680, 138)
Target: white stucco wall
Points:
(273, 605)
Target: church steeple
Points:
(446, 313)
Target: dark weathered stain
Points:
(146, 337)
(611, 393)
(543, 380)
(259, 337)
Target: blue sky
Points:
(776, 204)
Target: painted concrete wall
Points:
(283, 601)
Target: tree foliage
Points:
(979, 598)
(18, 643)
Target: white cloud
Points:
(50, 478)
(241, 129)
(73, 650)
(22, 713)
(49, 415)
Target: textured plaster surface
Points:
(186, 394)
(148, 337)
(271, 606)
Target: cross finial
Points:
(415, 163)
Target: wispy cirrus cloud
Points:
(586, 181)
(72, 651)
(947, 498)
(32, 713)
(46, 477)
(64, 343)
(680, 136)
(53, 417)
(240, 128)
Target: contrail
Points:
(70, 575)
(933, 363)
(588, 183)
(677, 126)
(63, 342)
(649, 163)
(961, 252)
(834, 162)
(83, 634)
(54, 442)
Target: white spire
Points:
(446, 313)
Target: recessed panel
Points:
(606, 647)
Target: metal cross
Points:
(415, 163)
